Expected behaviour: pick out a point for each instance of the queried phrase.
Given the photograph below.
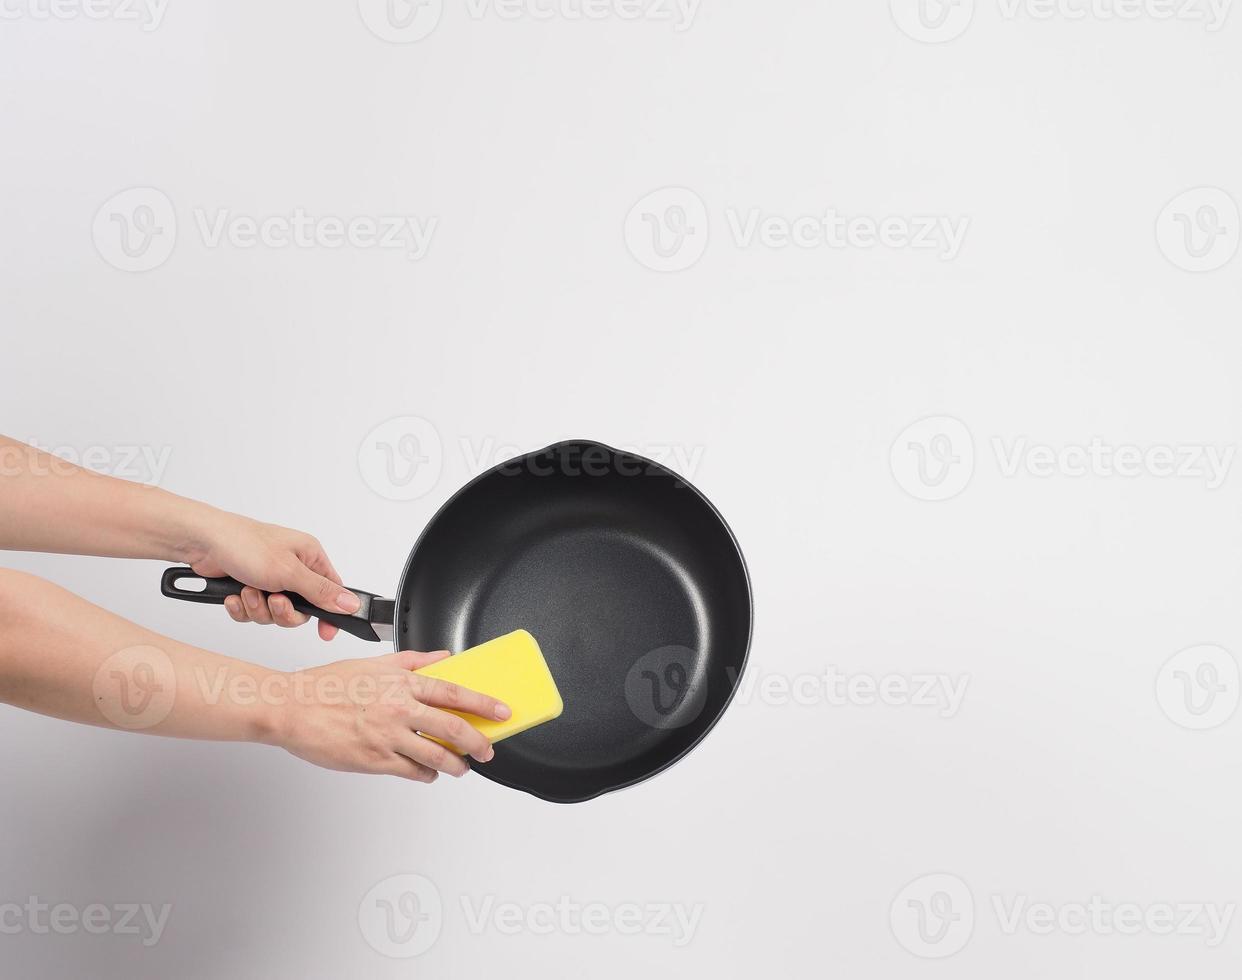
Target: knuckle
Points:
(457, 730)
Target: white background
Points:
(784, 374)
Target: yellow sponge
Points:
(511, 668)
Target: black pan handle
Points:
(373, 620)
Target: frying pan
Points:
(628, 577)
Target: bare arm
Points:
(48, 504)
(62, 656)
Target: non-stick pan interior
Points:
(629, 580)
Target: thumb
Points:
(323, 592)
(412, 659)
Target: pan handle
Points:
(373, 620)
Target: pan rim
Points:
(663, 470)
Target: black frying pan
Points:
(626, 575)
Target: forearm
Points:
(62, 656)
(48, 504)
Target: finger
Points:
(442, 694)
(412, 659)
(323, 592)
(256, 606)
(432, 755)
(318, 561)
(283, 613)
(462, 736)
(407, 768)
(236, 609)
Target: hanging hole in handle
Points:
(188, 584)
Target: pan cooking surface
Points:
(629, 580)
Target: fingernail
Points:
(251, 600)
(503, 713)
(349, 602)
(489, 755)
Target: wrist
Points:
(192, 530)
(271, 719)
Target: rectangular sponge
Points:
(510, 668)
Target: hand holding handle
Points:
(373, 621)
